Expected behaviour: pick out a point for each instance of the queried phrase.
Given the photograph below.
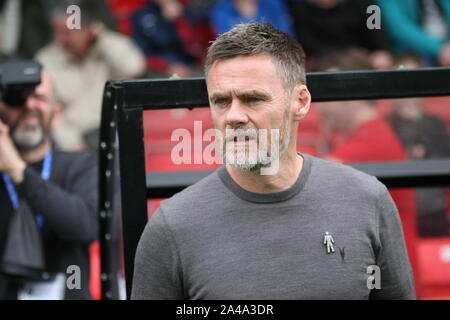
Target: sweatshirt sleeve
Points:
(121, 54)
(69, 211)
(157, 269)
(396, 276)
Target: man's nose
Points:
(236, 113)
(31, 104)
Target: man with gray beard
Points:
(60, 188)
(247, 149)
(271, 223)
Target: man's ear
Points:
(302, 101)
(57, 112)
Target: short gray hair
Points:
(261, 38)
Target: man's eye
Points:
(220, 102)
(252, 99)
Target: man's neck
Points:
(37, 154)
(289, 169)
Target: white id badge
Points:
(44, 290)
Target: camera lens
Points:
(17, 95)
(18, 78)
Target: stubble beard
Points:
(30, 137)
(253, 159)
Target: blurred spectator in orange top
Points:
(325, 25)
(367, 137)
(173, 37)
(424, 136)
(81, 61)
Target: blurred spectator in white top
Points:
(81, 61)
(25, 26)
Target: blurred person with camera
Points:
(81, 60)
(60, 191)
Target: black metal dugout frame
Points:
(122, 114)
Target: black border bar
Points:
(155, 94)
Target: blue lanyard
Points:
(45, 174)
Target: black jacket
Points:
(68, 204)
(322, 30)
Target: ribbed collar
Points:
(268, 197)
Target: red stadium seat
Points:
(94, 277)
(434, 264)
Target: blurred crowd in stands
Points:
(124, 39)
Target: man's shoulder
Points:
(75, 161)
(195, 196)
(108, 37)
(50, 54)
(340, 176)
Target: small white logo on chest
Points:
(328, 241)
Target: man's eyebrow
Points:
(244, 95)
(44, 96)
(216, 96)
(39, 94)
(253, 94)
